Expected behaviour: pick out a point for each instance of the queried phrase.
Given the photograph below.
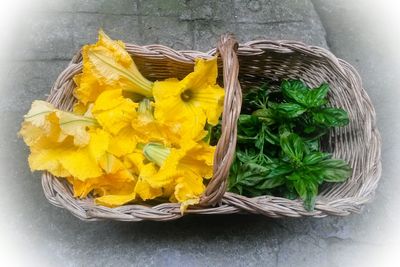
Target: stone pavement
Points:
(47, 39)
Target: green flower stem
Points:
(156, 153)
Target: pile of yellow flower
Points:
(129, 139)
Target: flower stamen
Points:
(186, 95)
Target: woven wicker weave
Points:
(358, 143)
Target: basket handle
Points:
(225, 152)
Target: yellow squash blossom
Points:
(193, 101)
(63, 143)
(64, 159)
(107, 65)
(183, 169)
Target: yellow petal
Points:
(190, 157)
(113, 111)
(146, 192)
(33, 135)
(199, 159)
(42, 115)
(144, 187)
(134, 161)
(168, 191)
(121, 182)
(115, 68)
(169, 107)
(80, 164)
(185, 204)
(30, 133)
(115, 200)
(110, 100)
(83, 163)
(117, 47)
(205, 72)
(79, 108)
(123, 143)
(149, 173)
(211, 100)
(88, 86)
(99, 142)
(147, 129)
(47, 160)
(38, 113)
(76, 126)
(188, 189)
(107, 65)
(167, 96)
(110, 164)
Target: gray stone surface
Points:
(37, 233)
(58, 29)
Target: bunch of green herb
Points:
(278, 147)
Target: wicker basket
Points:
(358, 143)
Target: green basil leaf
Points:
(290, 110)
(331, 117)
(270, 137)
(317, 97)
(248, 125)
(295, 90)
(313, 173)
(280, 169)
(315, 157)
(264, 114)
(246, 139)
(251, 174)
(307, 191)
(295, 176)
(245, 156)
(246, 121)
(334, 170)
(292, 146)
(270, 183)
